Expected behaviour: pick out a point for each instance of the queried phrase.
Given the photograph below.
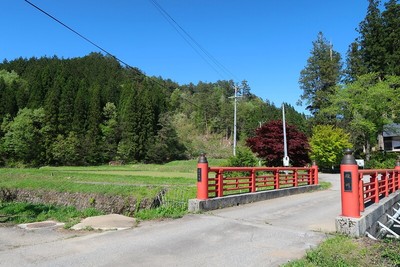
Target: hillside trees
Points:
(94, 111)
(166, 145)
(110, 132)
(24, 138)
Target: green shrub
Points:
(244, 158)
(382, 160)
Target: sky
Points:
(265, 42)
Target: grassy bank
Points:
(344, 251)
(16, 213)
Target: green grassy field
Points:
(140, 181)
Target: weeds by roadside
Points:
(172, 204)
(350, 252)
(20, 212)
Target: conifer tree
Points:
(66, 106)
(92, 138)
(79, 123)
(391, 24)
(321, 75)
(372, 47)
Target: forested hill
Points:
(91, 110)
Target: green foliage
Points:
(333, 253)
(110, 132)
(118, 114)
(376, 50)
(23, 138)
(382, 160)
(244, 158)
(8, 77)
(391, 251)
(166, 146)
(327, 144)
(65, 150)
(214, 145)
(356, 108)
(319, 78)
(173, 203)
(347, 252)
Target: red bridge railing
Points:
(361, 188)
(376, 184)
(223, 181)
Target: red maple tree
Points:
(268, 144)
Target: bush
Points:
(381, 160)
(244, 158)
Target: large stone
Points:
(106, 222)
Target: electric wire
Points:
(82, 36)
(99, 47)
(171, 22)
(187, 37)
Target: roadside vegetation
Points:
(19, 212)
(177, 181)
(345, 251)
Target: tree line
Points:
(361, 96)
(91, 110)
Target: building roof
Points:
(391, 130)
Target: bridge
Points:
(264, 233)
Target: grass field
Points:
(140, 181)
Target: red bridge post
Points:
(202, 177)
(349, 185)
(396, 175)
(314, 172)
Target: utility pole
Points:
(234, 118)
(285, 154)
(234, 122)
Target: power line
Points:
(138, 72)
(192, 42)
(182, 32)
(82, 36)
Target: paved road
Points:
(267, 233)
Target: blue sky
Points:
(266, 42)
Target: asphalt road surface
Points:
(267, 233)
